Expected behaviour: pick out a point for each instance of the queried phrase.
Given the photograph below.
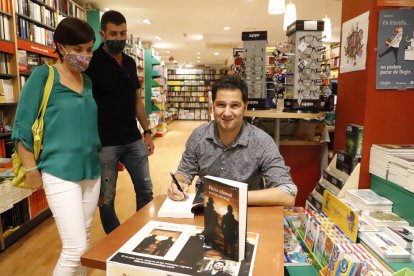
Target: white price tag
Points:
(302, 47)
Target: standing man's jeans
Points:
(135, 158)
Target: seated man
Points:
(231, 148)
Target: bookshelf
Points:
(331, 59)
(188, 92)
(26, 40)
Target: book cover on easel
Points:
(225, 216)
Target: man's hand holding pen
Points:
(178, 189)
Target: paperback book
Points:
(380, 219)
(182, 209)
(225, 216)
(294, 251)
(368, 200)
(194, 258)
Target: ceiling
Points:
(179, 22)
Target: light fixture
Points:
(146, 21)
(327, 29)
(198, 57)
(167, 51)
(276, 7)
(198, 61)
(198, 53)
(196, 36)
(290, 15)
(226, 28)
(216, 53)
(158, 38)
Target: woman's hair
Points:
(72, 31)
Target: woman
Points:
(68, 166)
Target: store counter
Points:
(267, 221)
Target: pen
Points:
(177, 184)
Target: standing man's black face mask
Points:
(116, 46)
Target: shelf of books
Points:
(345, 229)
(188, 91)
(26, 36)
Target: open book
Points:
(182, 209)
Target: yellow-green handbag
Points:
(19, 179)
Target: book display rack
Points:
(188, 91)
(25, 41)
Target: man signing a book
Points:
(232, 148)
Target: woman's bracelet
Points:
(30, 169)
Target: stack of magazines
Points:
(380, 219)
(385, 247)
(401, 171)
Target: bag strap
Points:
(46, 92)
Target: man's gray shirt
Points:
(252, 156)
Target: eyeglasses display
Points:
(254, 68)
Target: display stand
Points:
(351, 182)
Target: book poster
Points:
(193, 259)
(395, 49)
(354, 43)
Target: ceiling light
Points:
(216, 54)
(146, 21)
(276, 7)
(198, 57)
(175, 61)
(327, 29)
(226, 28)
(290, 15)
(106, 9)
(198, 53)
(196, 37)
(189, 65)
(158, 38)
(198, 61)
(167, 52)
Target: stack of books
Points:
(380, 157)
(403, 236)
(381, 220)
(401, 171)
(368, 200)
(385, 247)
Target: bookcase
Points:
(331, 60)
(26, 40)
(188, 92)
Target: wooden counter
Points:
(267, 221)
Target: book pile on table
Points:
(385, 247)
(401, 171)
(403, 236)
(381, 220)
(368, 200)
(381, 154)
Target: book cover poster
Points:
(395, 49)
(221, 217)
(159, 240)
(354, 43)
(194, 259)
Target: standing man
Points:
(116, 92)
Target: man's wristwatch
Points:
(147, 131)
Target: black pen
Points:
(177, 184)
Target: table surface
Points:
(277, 114)
(267, 221)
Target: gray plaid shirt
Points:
(252, 156)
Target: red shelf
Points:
(36, 48)
(7, 46)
